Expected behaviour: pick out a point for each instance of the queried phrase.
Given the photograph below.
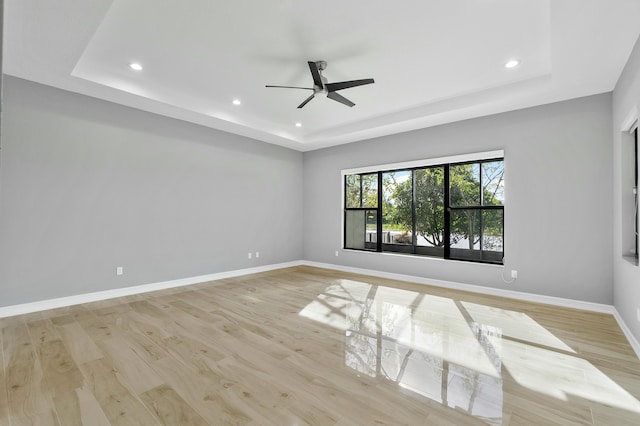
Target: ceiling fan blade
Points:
(332, 87)
(291, 87)
(337, 97)
(316, 74)
(306, 101)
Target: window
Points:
(635, 193)
(629, 194)
(452, 210)
(361, 212)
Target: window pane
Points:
(352, 196)
(492, 234)
(369, 190)
(493, 183)
(465, 229)
(361, 190)
(477, 234)
(397, 208)
(430, 206)
(355, 227)
(464, 184)
(372, 229)
(360, 229)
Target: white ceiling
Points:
(433, 61)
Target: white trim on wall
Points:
(26, 308)
(476, 156)
(630, 123)
(511, 294)
(528, 297)
(627, 332)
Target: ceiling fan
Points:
(320, 85)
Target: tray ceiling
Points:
(433, 61)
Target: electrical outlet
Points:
(249, 255)
(119, 270)
(337, 254)
(257, 254)
(514, 274)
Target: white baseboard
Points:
(529, 297)
(627, 332)
(127, 291)
(25, 308)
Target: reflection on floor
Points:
(458, 353)
(311, 346)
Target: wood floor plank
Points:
(24, 376)
(60, 371)
(67, 315)
(170, 408)
(78, 342)
(205, 394)
(62, 378)
(71, 410)
(120, 406)
(100, 327)
(87, 411)
(127, 358)
(605, 415)
(305, 345)
(47, 418)
(4, 403)
(277, 387)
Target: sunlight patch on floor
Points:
(563, 376)
(515, 324)
(456, 352)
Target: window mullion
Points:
(344, 213)
(413, 212)
(480, 232)
(635, 182)
(447, 214)
(481, 198)
(481, 226)
(503, 242)
(379, 215)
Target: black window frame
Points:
(636, 189)
(413, 249)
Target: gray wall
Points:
(1, 55)
(626, 97)
(87, 185)
(558, 211)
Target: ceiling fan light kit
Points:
(320, 85)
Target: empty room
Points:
(278, 212)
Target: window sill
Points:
(632, 259)
(427, 258)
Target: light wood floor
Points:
(311, 346)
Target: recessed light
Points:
(298, 124)
(135, 66)
(512, 63)
(236, 102)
